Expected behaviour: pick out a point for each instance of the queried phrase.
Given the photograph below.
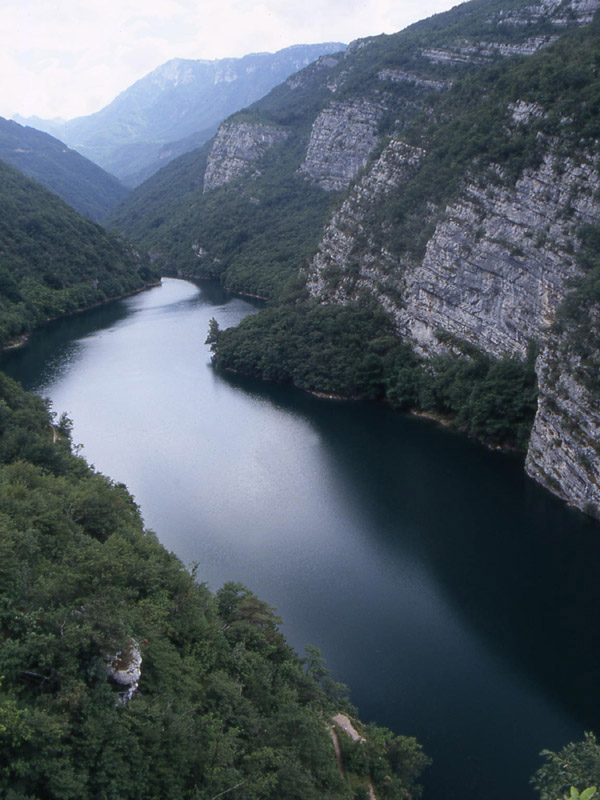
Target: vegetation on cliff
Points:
(352, 350)
(54, 262)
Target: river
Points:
(458, 600)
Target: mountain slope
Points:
(182, 98)
(81, 183)
(122, 676)
(53, 261)
(459, 159)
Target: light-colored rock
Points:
(343, 137)
(563, 450)
(236, 148)
(499, 261)
(125, 668)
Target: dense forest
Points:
(222, 702)
(53, 261)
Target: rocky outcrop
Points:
(557, 12)
(125, 668)
(348, 260)
(467, 52)
(236, 148)
(401, 76)
(563, 450)
(343, 137)
(498, 262)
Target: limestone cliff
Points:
(495, 269)
(563, 450)
(236, 148)
(342, 138)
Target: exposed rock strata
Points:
(563, 454)
(236, 148)
(480, 52)
(343, 137)
(498, 263)
(556, 11)
(494, 272)
(401, 76)
(348, 260)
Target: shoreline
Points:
(24, 338)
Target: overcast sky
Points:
(65, 58)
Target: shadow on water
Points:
(518, 565)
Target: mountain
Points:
(424, 210)
(84, 185)
(150, 123)
(54, 261)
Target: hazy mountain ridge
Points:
(81, 183)
(149, 123)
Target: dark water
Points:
(457, 599)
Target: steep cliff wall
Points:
(498, 262)
(563, 450)
(236, 148)
(496, 267)
(342, 138)
(349, 260)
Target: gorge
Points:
(451, 593)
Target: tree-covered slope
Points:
(53, 261)
(81, 183)
(215, 701)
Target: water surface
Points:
(457, 599)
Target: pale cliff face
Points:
(495, 269)
(235, 150)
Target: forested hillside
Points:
(81, 183)
(122, 676)
(53, 261)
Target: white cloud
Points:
(72, 57)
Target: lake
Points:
(457, 599)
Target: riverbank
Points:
(22, 340)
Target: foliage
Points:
(224, 704)
(84, 185)
(570, 772)
(353, 351)
(52, 261)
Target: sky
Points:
(67, 58)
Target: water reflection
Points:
(455, 597)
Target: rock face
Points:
(556, 11)
(563, 454)
(348, 260)
(497, 264)
(494, 271)
(125, 668)
(343, 137)
(236, 148)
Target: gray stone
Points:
(343, 137)
(236, 148)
